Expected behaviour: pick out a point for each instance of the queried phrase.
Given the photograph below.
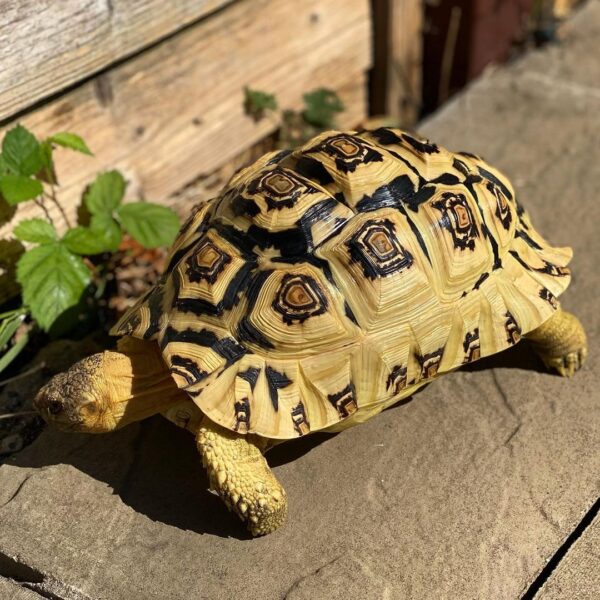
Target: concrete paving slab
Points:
(465, 492)
(578, 574)
(10, 590)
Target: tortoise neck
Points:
(139, 384)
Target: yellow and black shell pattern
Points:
(339, 276)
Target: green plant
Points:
(257, 103)
(55, 269)
(9, 323)
(321, 106)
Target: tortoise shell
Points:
(333, 280)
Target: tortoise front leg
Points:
(239, 473)
(560, 342)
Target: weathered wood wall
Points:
(47, 45)
(174, 114)
(398, 49)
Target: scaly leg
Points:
(560, 342)
(239, 473)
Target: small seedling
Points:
(257, 103)
(321, 106)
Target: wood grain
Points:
(47, 46)
(396, 81)
(404, 76)
(175, 113)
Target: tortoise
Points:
(322, 286)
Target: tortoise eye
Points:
(55, 407)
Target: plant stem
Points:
(23, 413)
(34, 369)
(52, 197)
(13, 313)
(41, 204)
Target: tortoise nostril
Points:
(55, 407)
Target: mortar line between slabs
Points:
(561, 552)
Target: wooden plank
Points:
(404, 69)
(205, 187)
(47, 46)
(396, 79)
(175, 113)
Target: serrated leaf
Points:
(47, 171)
(103, 235)
(321, 106)
(18, 188)
(109, 229)
(53, 279)
(105, 194)
(149, 224)
(82, 240)
(35, 230)
(3, 166)
(33, 163)
(20, 150)
(66, 139)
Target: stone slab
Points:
(578, 573)
(465, 492)
(10, 590)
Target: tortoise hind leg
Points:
(239, 473)
(560, 342)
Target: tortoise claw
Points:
(567, 365)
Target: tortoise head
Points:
(110, 389)
(76, 400)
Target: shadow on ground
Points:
(155, 469)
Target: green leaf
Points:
(21, 151)
(105, 193)
(150, 224)
(70, 140)
(17, 188)
(13, 352)
(47, 172)
(4, 170)
(109, 229)
(35, 230)
(82, 240)
(103, 235)
(33, 163)
(53, 279)
(256, 103)
(321, 106)
(8, 327)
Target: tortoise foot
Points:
(561, 343)
(568, 364)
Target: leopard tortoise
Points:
(323, 285)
